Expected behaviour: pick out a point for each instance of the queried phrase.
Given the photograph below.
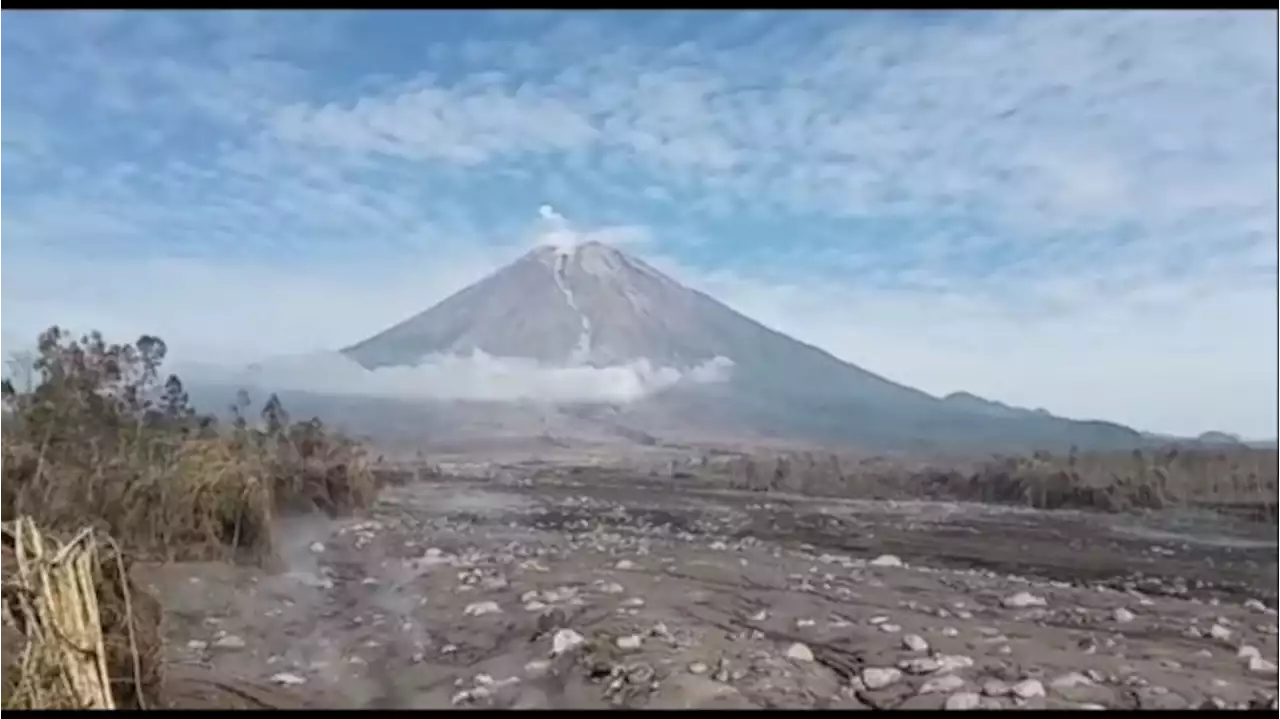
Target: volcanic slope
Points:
(595, 305)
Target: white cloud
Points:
(1070, 210)
(476, 377)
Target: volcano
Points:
(593, 305)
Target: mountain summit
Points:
(587, 304)
(592, 305)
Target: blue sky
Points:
(1072, 210)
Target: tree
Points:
(274, 416)
(237, 410)
(175, 401)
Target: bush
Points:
(1240, 481)
(95, 437)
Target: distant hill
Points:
(1222, 438)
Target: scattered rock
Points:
(1267, 703)
(943, 684)
(317, 547)
(1258, 665)
(481, 608)
(1157, 697)
(888, 628)
(287, 679)
(920, 665)
(880, 677)
(625, 564)
(1247, 652)
(915, 643)
(698, 668)
(1071, 680)
(886, 560)
(632, 602)
(799, 652)
(1023, 600)
(962, 701)
(952, 662)
(1219, 632)
(629, 642)
(229, 641)
(1123, 615)
(661, 631)
(613, 588)
(996, 688)
(1028, 689)
(565, 640)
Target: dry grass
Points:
(79, 634)
(97, 439)
(96, 446)
(1240, 481)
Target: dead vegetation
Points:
(78, 632)
(95, 445)
(1240, 481)
(97, 438)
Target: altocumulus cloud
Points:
(1068, 210)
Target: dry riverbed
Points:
(576, 593)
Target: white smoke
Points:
(553, 229)
(475, 377)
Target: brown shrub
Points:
(1240, 481)
(97, 439)
(94, 439)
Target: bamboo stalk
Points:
(53, 598)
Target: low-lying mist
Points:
(474, 377)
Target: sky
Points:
(1068, 210)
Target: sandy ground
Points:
(580, 591)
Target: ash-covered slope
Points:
(597, 306)
(588, 305)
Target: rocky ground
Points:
(581, 592)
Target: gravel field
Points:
(574, 591)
